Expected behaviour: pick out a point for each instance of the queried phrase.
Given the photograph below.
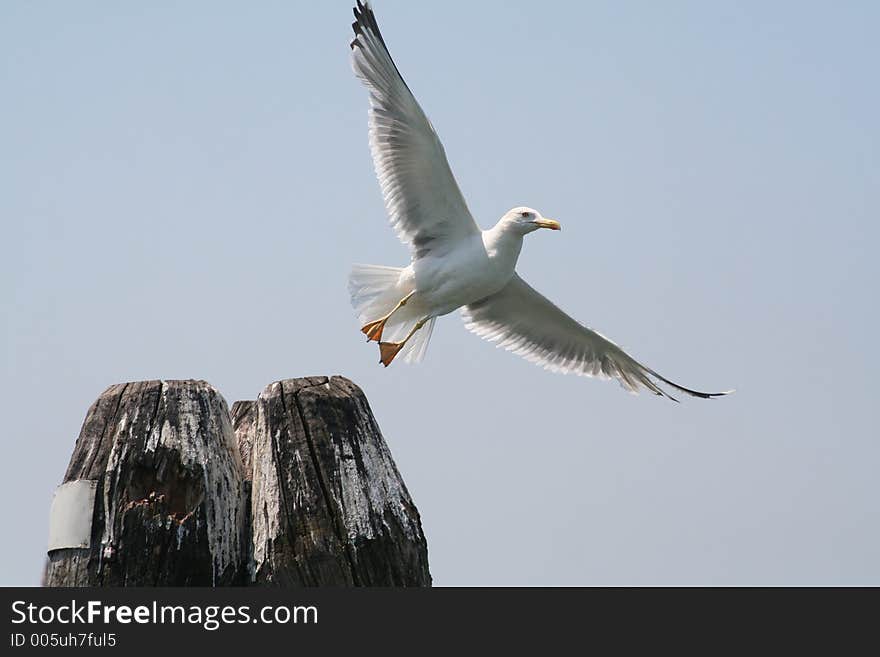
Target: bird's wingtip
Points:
(693, 393)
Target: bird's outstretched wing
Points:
(423, 200)
(525, 322)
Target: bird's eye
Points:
(525, 214)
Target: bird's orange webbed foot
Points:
(373, 330)
(388, 350)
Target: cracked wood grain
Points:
(296, 488)
(169, 506)
(328, 504)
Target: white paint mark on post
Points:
(70, 520)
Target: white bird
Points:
(454, 264)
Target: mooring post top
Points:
(195, 384)
(294, 385)
(336, 385)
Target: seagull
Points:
(455, 265)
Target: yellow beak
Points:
(548, 223)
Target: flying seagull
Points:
(454, 264)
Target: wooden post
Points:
(328, 505)
(167, 491)
(166, 487)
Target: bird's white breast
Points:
(475, 269)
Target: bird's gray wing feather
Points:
(521, 320)
(425, 205)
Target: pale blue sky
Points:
(185, 185)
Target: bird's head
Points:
(524, 220)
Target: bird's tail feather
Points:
(375, 290)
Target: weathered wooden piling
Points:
(167, 479)
(328, 505)
(298, 488)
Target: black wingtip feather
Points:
(670, 397)
(356, 28)
(693, 393)
(365, 19)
